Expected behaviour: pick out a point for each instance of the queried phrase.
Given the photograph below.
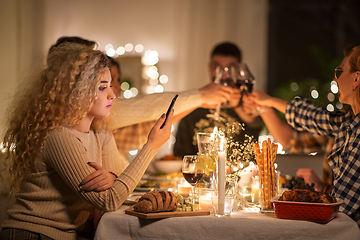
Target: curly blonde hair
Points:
(61, 95)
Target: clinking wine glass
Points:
(225, 76)
(193, 171)
(244, 78)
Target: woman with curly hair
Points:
(62, 160)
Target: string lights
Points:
(153, 81)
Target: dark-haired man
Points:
(224, 55)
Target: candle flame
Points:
(222, 144)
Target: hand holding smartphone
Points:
(169, 109)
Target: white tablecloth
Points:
(240, 225)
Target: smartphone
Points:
(169, 109)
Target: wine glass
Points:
(193, 171)
(225, 76)
(244, 79)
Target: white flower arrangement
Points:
(239, 155)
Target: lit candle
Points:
(205, 202)
(184, 189)
(221, 178)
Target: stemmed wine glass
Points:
(225, 76)
(244, 79)
(193, 171)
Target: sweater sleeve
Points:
(67, 155)
(150, 107)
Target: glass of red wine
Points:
(226, 76)
(244, 79)
(193, 171)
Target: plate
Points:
(314, 212)
(130, 211)
(143, 189)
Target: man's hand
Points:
(213, 94)
(310, 177)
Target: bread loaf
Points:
(155, 201)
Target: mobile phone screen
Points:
(169, 109)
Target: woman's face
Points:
(103, 103)
(346, 83)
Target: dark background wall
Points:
(306, 39)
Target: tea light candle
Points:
(205, 202)
(184, 189)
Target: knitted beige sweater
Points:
(51, 202)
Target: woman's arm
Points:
(262, 99)
(279, 129)
(67, 155)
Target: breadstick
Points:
(266, 172)
(273, 165)
(260, 163)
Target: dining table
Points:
(239, 225)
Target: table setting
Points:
(229, 189)
(208, 216)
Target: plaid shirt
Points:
(305, 142)
(344, 157)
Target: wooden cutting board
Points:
(131, 211)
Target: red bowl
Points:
(314, 212)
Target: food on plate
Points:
(292, 182)
(157, 184)
(170, 157)
(265, 159)
(304, 195)
(155, 201)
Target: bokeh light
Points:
(331, 97)
(163, 79)
(339, 105)
(127, 94)
(108, 46)
(125, 86)
(134, 91)
(334, 87)
(294, 86)
(139, 48)
(159, 89)
(330, 107)
(110, 52)
(120, 50)
(314, 94)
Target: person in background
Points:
(302, 142)
(342, 126)
(63, 161)
(224, 54)
(115, 72)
